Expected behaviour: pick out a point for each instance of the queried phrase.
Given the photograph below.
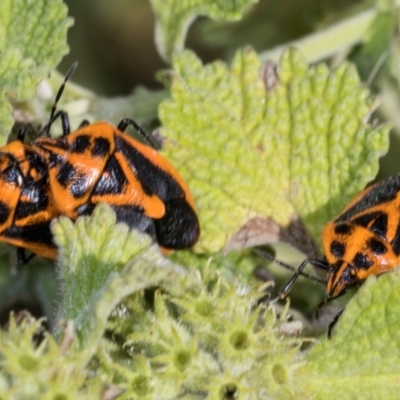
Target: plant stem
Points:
(331, 40)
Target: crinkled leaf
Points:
(174, 17)
(362, 359)
(149, 270)
(208, 343)
(89, 251)
(300, 149)
(32, 40)
(102, 262)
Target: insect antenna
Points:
(53, 116)
(271, 258)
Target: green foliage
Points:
(41, 371)
(292, 143)
(96, 274)
(362, 359)
(32, 40)
(232, 264)
(86, 265)
(305, 142)
(199, 338)
(173, 19)
(201, 345)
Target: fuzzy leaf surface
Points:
(173, 19)
(32, 41)
(298, 150)
(102, 262)
(362, 358)
(41, 371)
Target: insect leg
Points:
(130, 122)
(286, 289)
(84, 123)
(64, 124)
(333, 323)
(270, 257)
(22, 259)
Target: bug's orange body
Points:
(364, 239)
(99, 163)
(26, 204)
(96, 163)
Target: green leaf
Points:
(362, 359)
(89, 250)
(235, 265)
(100, 263)
(297, 150)
(32, 41)
(44, 370)
(173, 19)
(207, 344)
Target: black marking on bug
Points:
(380, 225)
(333, 270)
(337, 249)
(343, 229)
(65, 174)
(101, 147)
(112, 180)
(4, 212)
(80, 144)
(362, 261)
(39, 202)
(383, 192)
(55, 159)
(80, 186)
(366, 219)
(347, 278)
(36, 233)
(134, 217)
(85, 209)
(396, 241)
(13, 175)
(179, 227)
(154, 180)
(35, 193)
(376, 222)
(62, 143)
(376, 246)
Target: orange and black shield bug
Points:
(26, 205)
(363, 240)
(100, 163)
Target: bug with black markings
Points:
(26, 205)
(363, 241)
(99, 162)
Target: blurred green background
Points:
(114, 42)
